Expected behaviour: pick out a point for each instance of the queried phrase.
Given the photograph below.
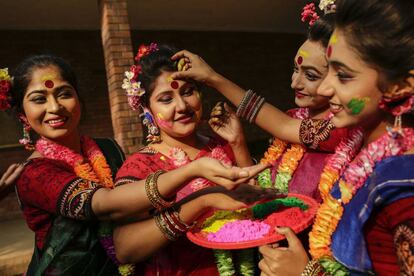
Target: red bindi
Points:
(174, 84)
(300, 60)
(49, 84)
(329, 51)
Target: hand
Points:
(224, 175)
(289, 260)
(9, 178)
(226, 124)
(194, 67)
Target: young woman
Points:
(296, 169)
(67, 185)
(172, 113)
(365, 224)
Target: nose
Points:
(296, 81)
(325, 88)
(181, 104)
(53, 105)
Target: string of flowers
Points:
(5, 85)
(350, 175)
(290, 155)
(93, 168)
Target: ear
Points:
(403, 87)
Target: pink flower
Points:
(309, 14)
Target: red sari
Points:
(180, 257)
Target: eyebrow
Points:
(309, 67)
(336, 63)
(43, 91)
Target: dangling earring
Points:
(26, 140)
(153, 130)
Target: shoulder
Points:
(396, 167)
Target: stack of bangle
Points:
(313, 268)
(153, 194)
(170, 224)
(249, 106)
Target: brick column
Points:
(117, 48)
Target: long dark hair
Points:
(322, 29)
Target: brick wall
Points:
(117, 47)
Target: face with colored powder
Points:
(310, 67)
(176, 106)
(352, 86)
(51, 105)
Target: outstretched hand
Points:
(224, 175)
(287, 261)
(192, 66)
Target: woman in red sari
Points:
(172, 113)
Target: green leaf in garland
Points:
(282, 181)
(265, 179)
(333, 267)
(246, 261)
(224, 260)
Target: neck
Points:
(72, 142)
(184, 143)
(320, 113)
(374, 130)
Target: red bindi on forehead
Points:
(175, 85)
(299, 60)
(49, 84)
(329, 51)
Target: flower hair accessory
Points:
(327, 6)
(131, 84)
(5, 85)
(309, 14)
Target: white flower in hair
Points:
(327, 6)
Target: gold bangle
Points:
(312, 268)
(153, 194)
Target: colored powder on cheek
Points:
(161, 122)
(356, 105)
(240, 230)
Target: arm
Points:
(225, 123)
(131, 198)
(9, 178)
(70, 196)
(280, 125)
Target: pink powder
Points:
(240, 230)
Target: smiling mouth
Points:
(185, 119)
(335, 108)
(55, 123)
(300, 94)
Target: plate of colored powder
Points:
(253, 226)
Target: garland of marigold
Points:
(349, 178)
(93, 168)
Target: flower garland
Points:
(289, 162)
(224, 260)
(350, 176)
(93, 168)
(5, 85)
